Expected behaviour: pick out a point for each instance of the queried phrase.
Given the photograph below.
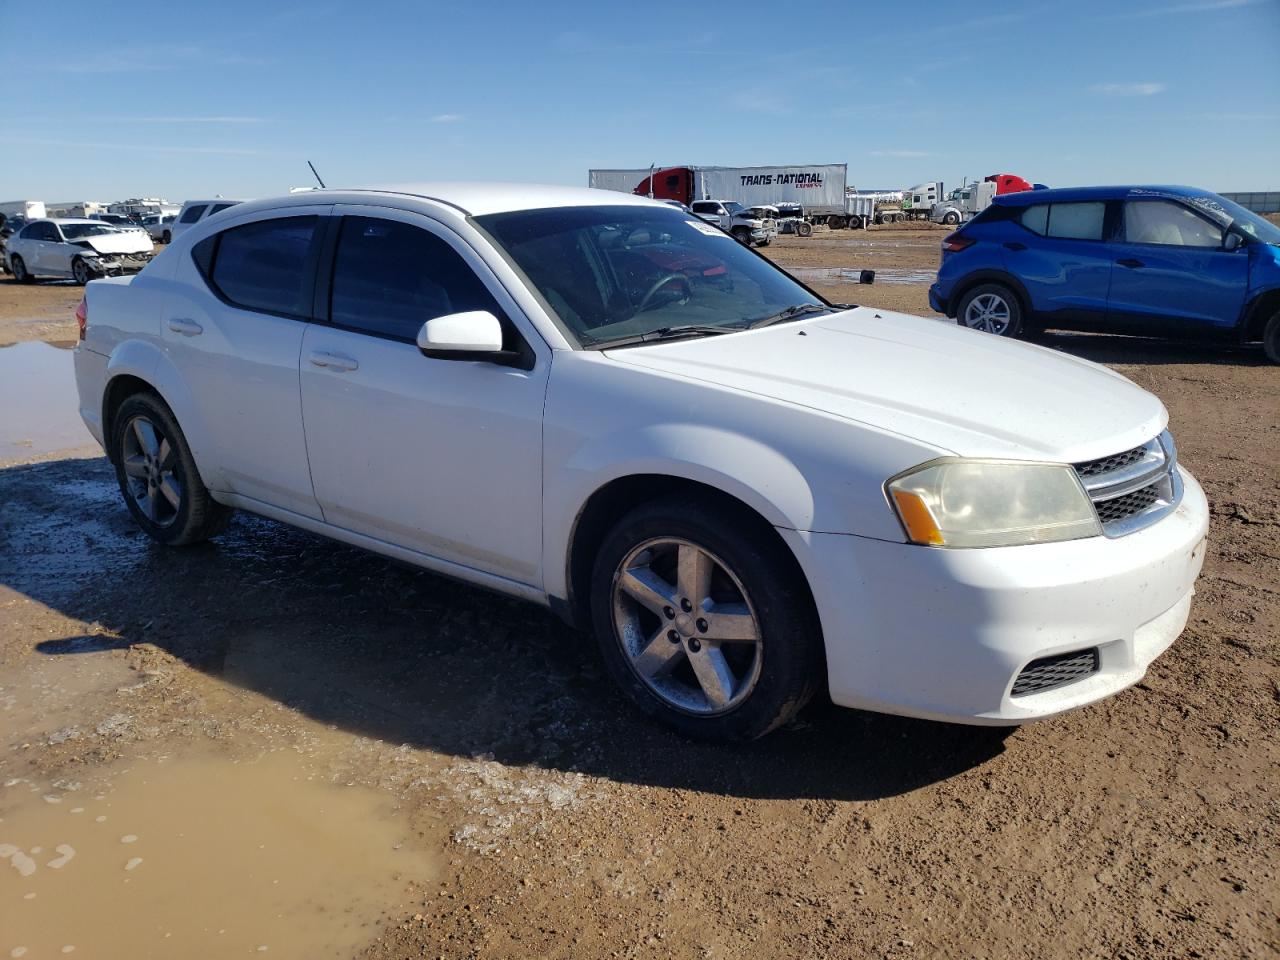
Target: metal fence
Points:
(1257, 202)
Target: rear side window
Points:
(1169, 224)
(192, 214)
(262, 266)
(219, 207)
(1077, 221)
(1065, 221)
(389, 278)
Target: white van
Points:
(193, 211)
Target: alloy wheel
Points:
(150, 466)
(989, 312)
(686, 626)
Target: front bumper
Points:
(118, 264)
(943, 634)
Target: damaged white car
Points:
(79, 249)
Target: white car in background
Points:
(78, 249)
(160, 227)
(193, 211)
(612, 409)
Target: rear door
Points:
(1172, 276)
(1064, 261)
(234, 329)
(443, 457)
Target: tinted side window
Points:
(1171, 224)
(702, 206)
(31, 232)
(389, 278)
(263, 266)
(1077, 221)
(219, 207)
(1036, 218)
(192, 214)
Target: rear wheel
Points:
(158, 476)
(20, 272)
(700, 621)
(167, 237)
(992, 308)
(804, 229)
(1271, 339)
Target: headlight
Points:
(992, 503)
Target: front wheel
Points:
(701, 622)
(167, 237)
(80, 271)
(1271, 339)
(992, 308)
(951, 219)
(158, 476)
(742, 235)
(20, 272)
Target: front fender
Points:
(742, 467)
(150, 364)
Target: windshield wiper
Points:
(791, 313)
(663, 333)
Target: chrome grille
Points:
(1135, 488)
(1048, 673)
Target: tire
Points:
(20, 273)
(804, 229)
(992, 308)
(742, 235)
(951, 219)
(836, 223)
(80, 271)
(1271, 339)
(167, 237)
(147, 446)
(749, 685)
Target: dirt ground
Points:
(555, 822)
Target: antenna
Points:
(316, 175)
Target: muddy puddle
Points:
(851, 274)
(201, 857)
(38, 404)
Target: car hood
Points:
(963, 392)
(126, 241)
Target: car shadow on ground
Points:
(377, 648)
(1115, 348)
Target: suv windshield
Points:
(614, 273)
(1249, 222)
(78, 231)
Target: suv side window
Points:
(1077, 221)
(1168, 224)
(192, 214)
(391, 277)
(1035, 218)
(262, 266)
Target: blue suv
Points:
(1162, 261)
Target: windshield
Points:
(1249, 222)
(78, 231)
(733, 206)
(610, 273)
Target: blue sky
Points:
(105, 100)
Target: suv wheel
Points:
(1271, 338)
(992, 308)
(158, 476)
(701, 623)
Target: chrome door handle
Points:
(333, 361)
(188, 328)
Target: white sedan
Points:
(606, 406)
(77, 249)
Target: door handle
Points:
(333, 361)
(188, 328)
(1131, 263)
(1014, 245)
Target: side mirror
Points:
(474, 335)
(1232, 241)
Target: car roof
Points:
(472, 199)
(96, 223)
(1063, 194)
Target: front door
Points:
(443, 457)
(1172, 275)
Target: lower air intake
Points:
(1048, 673)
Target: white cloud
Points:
(446, 118)
(1128, 89)
(900, 153)
(1196, 6)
